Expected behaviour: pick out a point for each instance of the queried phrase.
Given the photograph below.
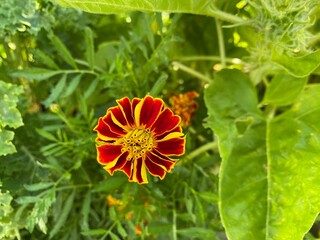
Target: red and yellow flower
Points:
(139, 136)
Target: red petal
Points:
(126, 108)
(174, 146)
(150, 110)
(176, 129)
(127, 168)
(165, 122)
(119, 118)
(138, 172)
(113, 127)
(108, 153)
(156, 158)
(155, 169)
(104, 132)
(134, 103)
(120, 163)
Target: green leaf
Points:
(9, 115)
(92, 87)
(89, 47)
(35, 73)
(63, 51)
(197, 232)
(297, 66)
(74, 83)
(110, 184)
(85, 210)
(93, 232)
(293, 150)
(121, 231)
(159, 227)
(45, 134)
(45, 59)
(159, 85)
(243, 180)
(9, 97)
(64, 215)
(284, 89)
(230, 97)
(203, 7)
(269, 181)
(38, 186)
(27, 199)
(6, 146)
(56, 91)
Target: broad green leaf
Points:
(231, 97)
(269, 181)
(297, 66)
(203, 7)
(293, 151)
(63, 51)
(64, 215)
(284, 89)
(35, 73)
(89, 47)
(243, 182)
(56, 91)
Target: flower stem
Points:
(174, 221)
(192, 72)
(221, 43)
(209, 146)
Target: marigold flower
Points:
(137, 136)
(184, 105)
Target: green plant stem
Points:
(209, 146)
(221, 44)
(192, 72)
(218, 14)
(174, 220)
(204, 58)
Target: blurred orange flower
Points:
(113, 201)
(137, 136)
(185, 106)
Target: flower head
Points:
(184, 105)
(139, 135)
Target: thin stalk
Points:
(204, 58)
(221, 44)
(190, 71)
(204, 148)
(174, 221)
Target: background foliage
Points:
(252, 157)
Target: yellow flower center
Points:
(137, 142)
